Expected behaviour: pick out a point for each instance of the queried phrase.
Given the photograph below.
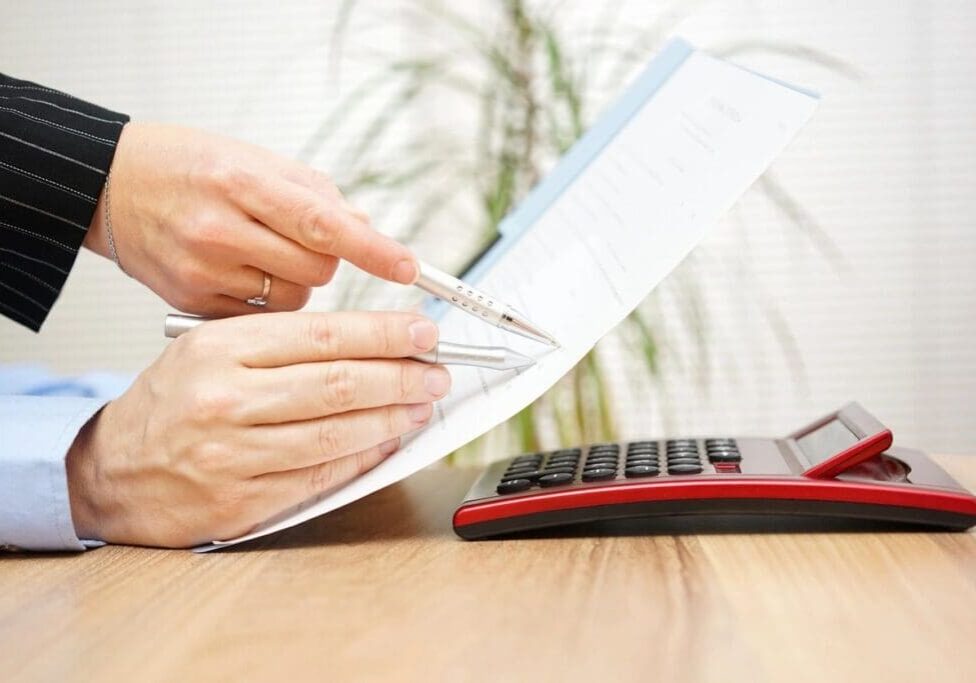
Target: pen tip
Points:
(518, 360)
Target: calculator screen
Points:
(827, 440)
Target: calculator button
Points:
(683, 461)
(528, 458)
(682, 442)
(642, 462)
(720, 442)
(566, 451)
(725, 457)
(555, 479)
(514, 486)
(562, 463)
(599, 474)
(531, 475)
(601, 459)
(641, 444)
(635, 471)
(605, 447)
(684, 469)
(558, 470)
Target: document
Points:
(618, 213)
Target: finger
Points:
(323, 184)
(312, 390)
(295, 445)
(247, 282)
(323, 225)
(279, 339)
(279, 491)
(263, 248)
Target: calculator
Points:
(842, 466)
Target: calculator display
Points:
(827, 440)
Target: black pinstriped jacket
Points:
(55, 152)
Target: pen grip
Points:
(461, 295)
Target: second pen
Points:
(448, 353)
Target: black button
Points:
(725, 457)
(640, 462)
(643, 449)
(558, 470)
(642, 444)
(720, 442)
(531, 475)
(516, 470)
(555, 458)
(600, 458)
(599, 474)
(641, 471)
(600, 466)
(555, 479)
(683, 461)
(684, 469)
(682, 442)
(566, 451)
(514, 486)
(562, 463)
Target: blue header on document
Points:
(587, 148)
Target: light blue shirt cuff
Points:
(35, 435)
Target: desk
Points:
(382, 590)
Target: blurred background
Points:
(846, 273)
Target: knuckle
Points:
(329, 440)
(322, 477)
(382, 331)
(406, 382)
(323, 271)
(324, 334)
(318, 229)
(340, 388)
(214, 403)
(209, 231)
(229, 178)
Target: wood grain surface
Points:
(382, 590)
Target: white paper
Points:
(617, 230)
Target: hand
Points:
(199, 219)
(243, 418)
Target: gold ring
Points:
(262, 300)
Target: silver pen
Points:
(479, 304)
(448, 353)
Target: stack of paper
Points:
(618, 213)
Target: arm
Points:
(35, 512)
(55, 153)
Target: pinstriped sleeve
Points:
(55, 153)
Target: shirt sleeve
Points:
(55, 154)
(35, 435)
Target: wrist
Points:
(95, 239)
(80, 465)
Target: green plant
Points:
(530, 92)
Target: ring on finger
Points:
(262, 300)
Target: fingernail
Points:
(420, 412)
(389, 447)
(423, 334)
(437, 381)
(405, 271)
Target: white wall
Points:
(887, 168)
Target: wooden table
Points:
(382, 590)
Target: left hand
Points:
(200, 218)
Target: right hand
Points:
(240, 419)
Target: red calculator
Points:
(841, 466)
